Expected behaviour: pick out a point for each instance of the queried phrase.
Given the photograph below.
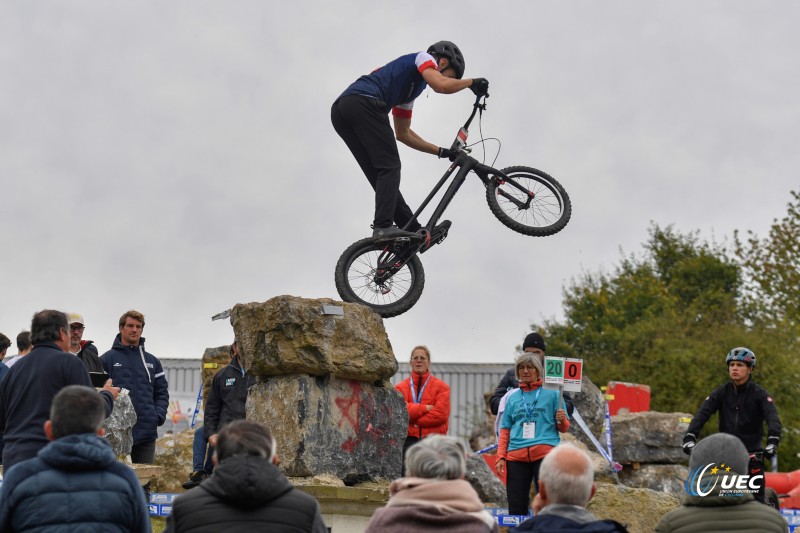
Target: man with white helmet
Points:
(743, 408)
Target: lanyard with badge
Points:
(417, 398)
(529, 427)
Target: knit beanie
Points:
(533, 340)
(720, 448)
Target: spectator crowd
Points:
(61, 474)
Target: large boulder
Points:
(602, 470)
(119, 425)
(488, 486)
(638, 509)
(287, 335)
(661, 478)
(649, 437)
(174, 455)
(325, 425)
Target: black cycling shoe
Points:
(391, 233)
(194, 480)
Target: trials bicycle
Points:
(388, 276)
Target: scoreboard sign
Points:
(565, 372)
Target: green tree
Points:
(666, 317)
(772, 269)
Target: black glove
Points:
(480, 86)
(446, 152)
(772, 448)
(688, 443)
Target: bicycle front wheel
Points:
(530, 201)
(387, 289)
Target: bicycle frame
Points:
(466, 164)
(390, 260)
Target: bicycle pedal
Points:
(437, 240)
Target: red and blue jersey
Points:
(397, 83)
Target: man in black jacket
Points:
(743, 408)
(28, 390)
(247, 491)
(533, 343)
(226, 402)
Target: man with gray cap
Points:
(533, 343)
(708, 506)
(85, 350)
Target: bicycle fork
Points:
(394, 256)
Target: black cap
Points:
(533, 340)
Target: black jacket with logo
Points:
(742, 412)
(226, 397)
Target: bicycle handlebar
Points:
(475, 107)
(461, 139)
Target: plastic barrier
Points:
(504, 519)
(628, 397)
(161, 503)
(792, 517)
(785, 483)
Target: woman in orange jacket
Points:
(427, 399)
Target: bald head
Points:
(567, 473)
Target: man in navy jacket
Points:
(75, 482)
(131, 367)
(30, 385)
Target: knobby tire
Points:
(548, 212)
(354, 275)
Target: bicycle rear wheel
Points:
(530, 201)
(387, 291)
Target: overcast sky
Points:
(178, 158)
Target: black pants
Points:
(143, 453)
(363, 125)
(519, 477)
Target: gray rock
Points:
(489, 488)
(324, 425)
(119, 426)
(660, 478)
(174, 457)
(638, 509)
(649, 437)
(602, 470)
(288, 335)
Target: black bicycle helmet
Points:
(449, 51)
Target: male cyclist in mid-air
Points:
(743, 408)
(360, 117)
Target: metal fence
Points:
(468, 384)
